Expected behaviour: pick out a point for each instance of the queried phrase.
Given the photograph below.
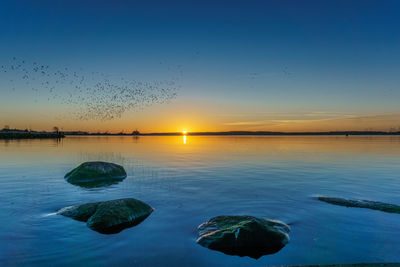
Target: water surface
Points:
(189, 180)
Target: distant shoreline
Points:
(24, 134)
(239, 133)
(17, 134)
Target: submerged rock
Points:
(96, 174)
(243, 235)
(375, 205)
(351, 265)
(109, 217)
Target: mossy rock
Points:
(243, 235)
(367, 204)
(109, 217)
(96, 174)
(375, 264)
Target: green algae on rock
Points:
(375, 264)
(243, 235)
(109, 217)
(96, 174)
(374, 205)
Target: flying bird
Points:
(92, 95)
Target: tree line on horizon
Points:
(56, 130)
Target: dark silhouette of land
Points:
(28, 134)
(137, 133)
(280, 133)
(7, 133)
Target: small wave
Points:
(49, 214)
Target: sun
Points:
(184, 132)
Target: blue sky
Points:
(270, 64)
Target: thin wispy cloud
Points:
(333, 120)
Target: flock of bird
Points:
(89, 95)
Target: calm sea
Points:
(189, 180)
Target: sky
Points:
(235, 65)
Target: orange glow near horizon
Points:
(171, 119)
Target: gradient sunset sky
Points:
(242, 65)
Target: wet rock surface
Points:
(351, 265)
(109, 217)
(96, 174)
(243, 235)
(367, 204)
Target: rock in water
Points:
(109, 217)
(375, 205)
(95, 174)
(243, 235)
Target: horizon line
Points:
(204, 133)
(233, 132)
